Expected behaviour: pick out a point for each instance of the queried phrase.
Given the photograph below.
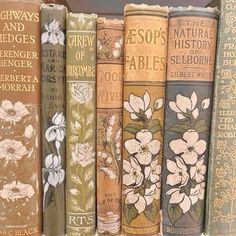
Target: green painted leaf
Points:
(196, 211)
(174, 212)
(133, 128)
(154, 126)
(130, 212)
(151, 212)
(201, 126)
(179, 128)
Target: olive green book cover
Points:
(221, 192)
(81, 124)
(53, 59)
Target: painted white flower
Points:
(10, 112)
(74, 191)
(53, 167)
(135, 199)
(178, 172)
(153, 171)
(81, 92)
(197, 193)
(83, 154)
(136, 104)
(181, 198)
(57, 131)
(189, 147)
(143, 147)
(184, 104)
(53, 34)
(152, 193)
(108, 172)
(29, 132)
(198, 171)
(16, 190)
(159, 103)
(117, 48)
(133, 173)
(12, 150)
(205, 103)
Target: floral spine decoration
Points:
(141, 171)
(53, 172)
(186, 168)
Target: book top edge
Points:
(89, 16)
(52, 5)
(146, 8)
(208, 11)
(109, 22)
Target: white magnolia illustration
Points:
(12, 150)
(133, 174)
(53, 172)
(53, 34)
(187, 169)
(10, 112)
(135, 104)
(178, 172)
(81, 92)
(141, 168)
(143, 146)
(198, 171)
(16, 190)
(189, 147)
(184, 104)
(83, 154)
(140, 201)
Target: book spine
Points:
(20, 208)
(221, 192)
(190, 73)
(109, 124)
(81, 124)
(145, 48)
(53, 117)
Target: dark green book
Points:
(221, 192)
(53, 117)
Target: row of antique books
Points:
(104, 124)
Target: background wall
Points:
(115, 7)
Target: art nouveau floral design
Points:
(54, 33)
(141, 171)
(10, 112)
(16, 190)
(53, 172)
(110, 155)
(12, 150)
(82, 92)
(18, 153)
(186, 169)
(108, 48)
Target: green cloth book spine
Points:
(220, 217)
(53, 117)
(81, 123)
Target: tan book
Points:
(109, 124)
(81, 124)
(145, 47)
(20, 152)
